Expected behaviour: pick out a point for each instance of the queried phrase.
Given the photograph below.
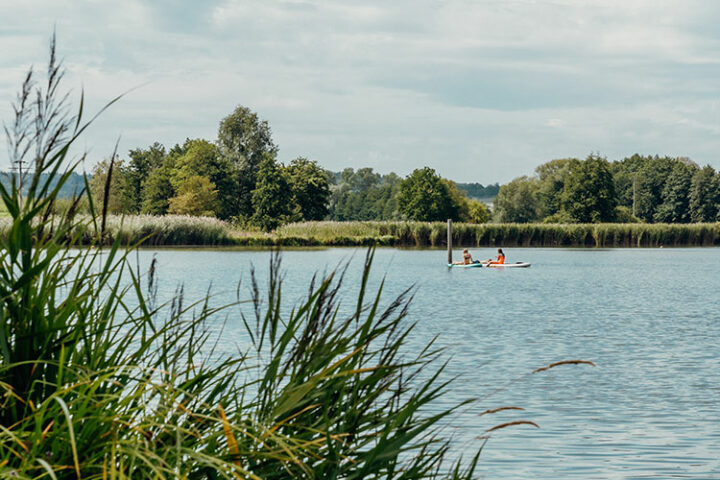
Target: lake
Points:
(648, 318)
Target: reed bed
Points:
(145, 230)
(168, 230)
(175, 230)
(433, 234)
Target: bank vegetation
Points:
(183, 230)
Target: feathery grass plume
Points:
(98, 382)
(500, 409)
(564, 362)
(512, 424)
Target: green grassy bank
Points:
(199, 231)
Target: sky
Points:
(482, 91)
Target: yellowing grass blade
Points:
(232, 443)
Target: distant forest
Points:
(74, 185)
(477, 190)
(650, 189)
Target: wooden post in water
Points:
(449, 240)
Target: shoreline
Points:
(184, 231)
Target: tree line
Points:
(423, 195)
(649, 189)
(238, 178)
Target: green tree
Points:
(426, 197)
(244, 140)
(310, 188)
(589, 192)
(625, 175)
(459, 198)
(551, 183)
(118, 200)
(469, 209)
(272, 198)
(141, 163)
(675, 195)
(197, 196)
(201, 158)
(649, 185)
(157, 191)
(364, 195)
(624, 214)
(387, 205)
(517, 201)
(477, 212)
(704, 197)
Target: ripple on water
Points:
(648, 318)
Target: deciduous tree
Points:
(426, 197)
(139, 166)
(272, 199)
(196, 196)
(244, 139)
(704, 197)
(118, 201)
(201, 158)
(478, 212)
(310, 188)
(517, 201)
(551, 177)
(675, 195)
(589, 192)
(158, 190)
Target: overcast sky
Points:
(482, 91)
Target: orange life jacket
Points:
(501, 259)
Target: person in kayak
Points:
(499, 260)
(467, 258)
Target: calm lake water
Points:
(649, 319)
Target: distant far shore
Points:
(149, 230)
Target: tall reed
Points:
(149, 230)
(507, 234)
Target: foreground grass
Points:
(97, 381)
(171, 230)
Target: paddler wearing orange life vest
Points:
(499, 260)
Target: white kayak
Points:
(493, 265)
(508, 265)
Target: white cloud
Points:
(482, 91)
